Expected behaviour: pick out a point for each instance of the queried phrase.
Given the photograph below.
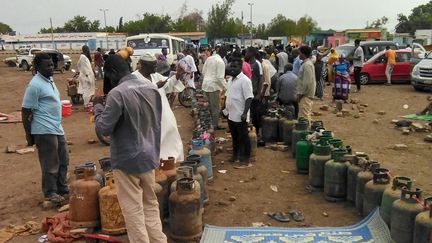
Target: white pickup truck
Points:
(24, 58)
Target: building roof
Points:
(194, 34)
(363, 30)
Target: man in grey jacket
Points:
(306, 83)
(132, 119)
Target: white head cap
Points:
(147, 57)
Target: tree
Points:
(219, 20)
(120, 25)
(150, 23)
(305, 25)
(81, 24)
(109, 29)
(190, 22)
(281, 26)
(420, 18)
(378, 23)
(4, 28)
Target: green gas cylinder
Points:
(317, 160)
(423, 224)
(301, 125)
(392, 194)
(303, 151)
(335, 176)
(404, 212)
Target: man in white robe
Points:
(171, 143)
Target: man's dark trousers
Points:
(357, 71)
(240, 141)
(54, 160)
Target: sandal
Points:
(281, 217)
(296, 215)
(56, 198)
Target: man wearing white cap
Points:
(171, 143)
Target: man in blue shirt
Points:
(41, 115)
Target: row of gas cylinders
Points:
(333, 168)
(181, 192)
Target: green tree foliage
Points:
(220, 22)
(305, 25)
(4, 28)
(110, 29)
(190, 22)
(120, 25)
(150, 23)
(281, 26)
(77, 24)
(378, 23)
(81, 24)
(420, 18)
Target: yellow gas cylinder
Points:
(112, 220)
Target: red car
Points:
(373, 71)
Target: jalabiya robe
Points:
(171, 143)
(86, 79)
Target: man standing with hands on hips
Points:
(306, 83)
(238, 101)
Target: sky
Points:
(29, 16)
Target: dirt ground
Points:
(20, 195)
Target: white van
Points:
(153, 43)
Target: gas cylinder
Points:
(201, 168)
(301, 125)
(169, 169)
(199, 149)
(158, 191)
(336, 143)
(364, 177)
(83, 201)
(105, 164)
(317, 124)
(392, 194)
(197, 177)
(353, 169)
(185, 172)
(423, 225)
(162, 180)
(288, 126)
(270, 127)
(317, 160)
(374, 190)
(253, 142)
(304, 151)
(185, 212)
(112, 220)
(335, 176)
(403, 214)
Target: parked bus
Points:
(153, 44)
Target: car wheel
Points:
(25, 66)
(364, 78)
(67, 67)
(62, 70)
(418, 88)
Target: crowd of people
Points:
(136, 112)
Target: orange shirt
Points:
(391, 56)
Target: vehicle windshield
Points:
(346, 50)
(429, 55)
(153, 43)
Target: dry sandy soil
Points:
(20, 195)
